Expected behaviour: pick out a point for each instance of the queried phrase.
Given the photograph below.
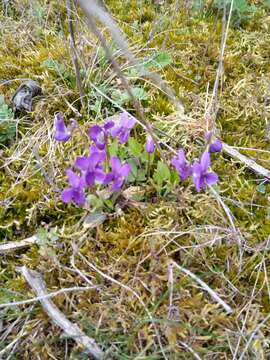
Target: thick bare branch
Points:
(16, 245)
(72, 330)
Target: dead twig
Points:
(251, 164)
(74, 50)
(16, 245)
(72, 330)
(210, 291)
(48, 296)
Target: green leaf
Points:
(135, 148)
(96, 107)
(161, 175)
(54, 65)
(95, 201)
(174, 177)
(139, 93)
(163, 171)
(141, 175)
(159, 60)
(123, 97)
(95, 218)
(134, 171)
(45, 236)
(261, 188)
(42, 235)
(113, 148)
(7, 122)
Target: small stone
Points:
(22, 100)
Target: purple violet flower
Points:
(181, 165)
(61, 131)
(99, 134)
(91, 166)
(118, 174)
(201, 176)
(216, 146)
(149, 146)
(76, 190)
(122, 130)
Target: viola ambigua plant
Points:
(181, 165)
(149, 145)
(99, 168)
(99, 134)
(201, 174)
(76, 190)
(199, 169)
(61, 131)
(121, 131)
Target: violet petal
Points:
(74, 179)
(115, 164)
(79, 197)
(61, 131)
(90, 178)
(82, 162)
(66, 195)
(211, 178)
(216, 146)
(149, 146)
(205, 161)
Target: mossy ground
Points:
(134, 247)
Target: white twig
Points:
(237, 233)
(170, 286)
(251, 164)
(47, 296)
(210, 291)
(15, 245)
(196, 356)
(72, 330)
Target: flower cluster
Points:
(97, 167)
(199, 169)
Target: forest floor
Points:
(165, 272)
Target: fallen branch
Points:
(16, 245)
(251, 164)
(36, 282)
(47, 296)
(210, 291)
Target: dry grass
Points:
(142, 306)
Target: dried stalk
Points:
(74, 50)
(48, 296)
(210, 291)
(72, 330)
(251, 164)
(17, 245)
